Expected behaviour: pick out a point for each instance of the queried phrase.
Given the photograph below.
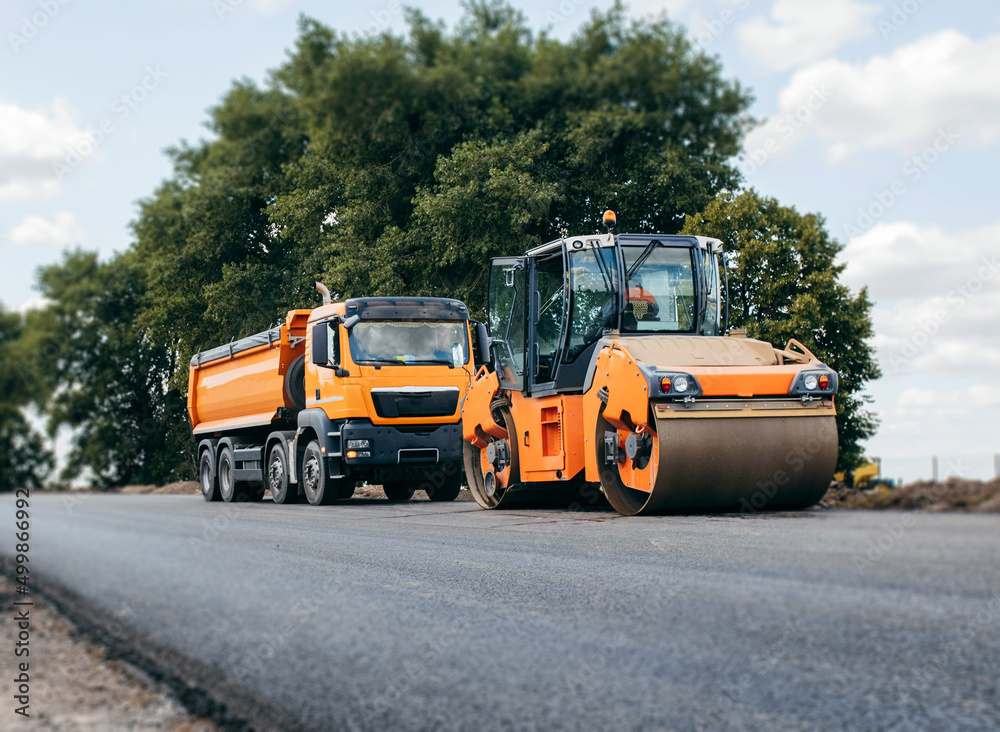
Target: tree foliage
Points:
(783, 284)
(388, 164)
(24, 460)
(128, 425)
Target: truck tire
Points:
(209, 482)
(398, 491)
(277, 476)
(232, 490)
(444, 487)
(295, 382)
(319, 489)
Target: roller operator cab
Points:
(369, 389)
(611, 370)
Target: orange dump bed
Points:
(245, 383)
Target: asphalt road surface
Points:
(423, 616)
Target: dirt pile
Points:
(954, 494)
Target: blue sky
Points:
(883, 116)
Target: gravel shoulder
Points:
(75, 685)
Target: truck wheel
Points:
(319, 490)
(398, 491)
(209, 484)
(277, 477)
(447, 490)
(232, 491)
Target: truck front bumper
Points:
(364, 445)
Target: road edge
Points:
(197, 686)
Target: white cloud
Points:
(956, 423)
(905, 260)
(938, 335)
(802, 31)
(32, 141)
(902, 100)
(35, 303)
(936, 294)
(35, 231)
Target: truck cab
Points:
(384, 380)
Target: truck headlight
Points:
(358, 444)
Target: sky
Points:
(883, 116)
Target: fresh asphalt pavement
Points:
(420, 616)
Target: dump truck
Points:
(613, 370)
(368, 389)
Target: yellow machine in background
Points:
(865, 477)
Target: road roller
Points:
(612, 372)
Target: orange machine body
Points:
(620, 374)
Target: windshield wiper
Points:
(642, 259)
(377, 359)
(450, 363)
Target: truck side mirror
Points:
(482, 345)
(321, 344)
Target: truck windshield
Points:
(660, 295)
(410, 342)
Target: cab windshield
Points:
(660, 290)
(407, 342)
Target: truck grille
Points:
(415, 402)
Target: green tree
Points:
(24, 460)
(128, 425)
(783, 284)
(216, 267)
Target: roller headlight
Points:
(814, 382)
(678, 384)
